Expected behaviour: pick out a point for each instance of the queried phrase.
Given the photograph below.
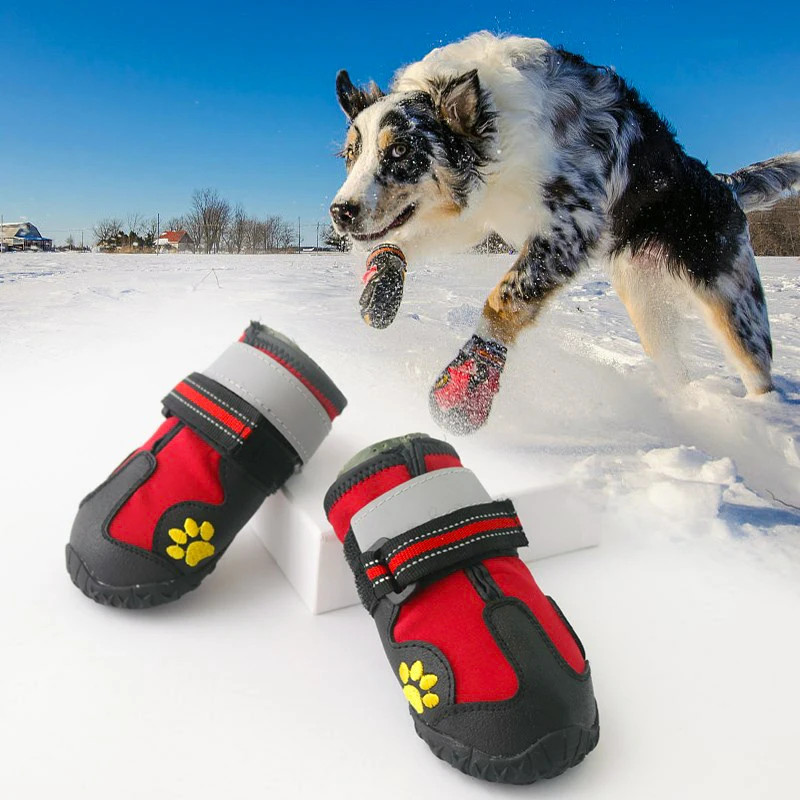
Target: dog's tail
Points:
(761, 185)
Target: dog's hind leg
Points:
(736, 311)
(651, 297)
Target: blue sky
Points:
(114, 108)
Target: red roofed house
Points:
(174, 242)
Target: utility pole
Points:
(158, 229)
(317, 235)
(298, 234)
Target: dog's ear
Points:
(353, 99)
(462, 104)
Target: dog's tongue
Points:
(381, 467)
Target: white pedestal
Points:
(292, 525)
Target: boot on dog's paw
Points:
(384, 279)
(461, 398)
(496, 680)
(234, 433)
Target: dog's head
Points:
(412, 158)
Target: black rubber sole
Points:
(547, 758)
(380, 301)
(144, 595)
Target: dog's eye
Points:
(398, 150)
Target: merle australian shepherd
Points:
(566, 162)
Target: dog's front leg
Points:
(461, 397)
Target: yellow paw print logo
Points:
(416, 674)
(195, 551)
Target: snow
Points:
(688, 609)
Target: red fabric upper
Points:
(362, 493)
(449, 612)
(187, 469)
(436, 461)
(459, 392)
(449, 615)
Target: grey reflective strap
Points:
(416, 502)
(276, 393)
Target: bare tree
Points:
(210, 216)
(285, 235)
(149, 232)
(150, 228)
(135, 223)
(776, 232)
(333, 239)
(270, 233)
(252, 235)
(107, 230)
(237, 230)
(175, 224)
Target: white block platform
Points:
(292, 525)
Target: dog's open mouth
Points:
(403, 217)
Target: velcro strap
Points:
(477, 531)
(415, 502)
(233, 427)
(276, 392)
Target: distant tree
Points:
(333, 239)
(149, 232)
(193, 225)
(135, 223)
(253, 235)
(237, 229)
(271, 228)
(70, 243)
(776, 232)
(209, 218)
(175, 224)
(284, 236)
(107, 232)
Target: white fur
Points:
(510, 202)
(550, 133)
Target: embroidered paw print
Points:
(415, 673)
(195, 551)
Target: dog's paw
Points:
(383, 292)
(462, 395)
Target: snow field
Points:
(688, 609)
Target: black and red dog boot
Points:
(496, 679)
(234, 433)
(462, 395)
(384, 279)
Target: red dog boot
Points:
(234, 433)
(461, 397)
(496, 679)
(384, 279)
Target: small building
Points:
(174, 242)
(23, 236)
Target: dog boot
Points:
(233, 434)
(496, 680)
(461, 397)
(384, 279)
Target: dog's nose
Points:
(344, 214)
